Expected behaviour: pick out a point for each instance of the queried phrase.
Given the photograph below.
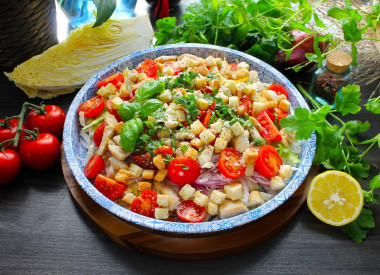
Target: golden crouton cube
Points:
(191, 153)
(271, 104)
(234, 191)
(163, 200)
(200, 199)
(144, 185)
(284, 105)
(135, 170)
(123, 176)
(187, 192)
(197, 143)
(159, 162)
(128, 198)
(218, 197)
(212, 208)
(148, 174)
(161, 174)
(118, 127)
(161, 213)
(124, 91)
(250, 155)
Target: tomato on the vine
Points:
(183, 170)
(10, 165)
(231, 163)
(41, 153)
(94, 166)
(268, 162)
(51, 122)
(145, 204)
(92, 107)
(9, 133)
(189, 211)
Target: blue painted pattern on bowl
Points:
(75, 153)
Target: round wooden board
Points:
(189, 247)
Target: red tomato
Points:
(94, 166)
(270, 113)
(208, 90)
(174, 65)
(246, 101)
(149, 67)
(145, 204)
(41, 153)
(109, 187)
(183, 170)
(231, 163)
(112, 111)
(164, 151)
(268, 162)
(270, 131)
(145, 161)
(189, 211)
(278, 89)
(10, 165)
(51, 122)
(206, 119)
(98, 134)
(234, 66)
(92, 107)
(113, 79)
(280, 114)
(8, 133)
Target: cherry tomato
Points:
(149, 67)
(145, 161)
(113, 79)
(278, 89)
(231, 163)
(145, 204)
(51, 122)
(108, 187)
(164, 151)
(189, 211)
(10, 165)
(98, 134)
(92, 107)
(183, 170)
(94, 166)
(268, 162)
(112, 111)
(8, 133)
(270, 131)
(41, 153)
(234, 66)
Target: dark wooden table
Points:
(43, 232)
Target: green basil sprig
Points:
(127, 110)
(130, 132)
(149, 107)
(149, 89)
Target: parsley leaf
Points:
(189, 102)
(373, 105)
(359, 228)
(348, 101)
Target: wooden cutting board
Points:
(188, 247)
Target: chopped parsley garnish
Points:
(167, 159)
(189, 102)
(184, 80)
(184, 148)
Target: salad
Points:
(189, 139)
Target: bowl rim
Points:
(179, 227)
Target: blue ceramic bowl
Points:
(75, 153)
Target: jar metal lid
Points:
(338, 61)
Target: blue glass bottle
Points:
(80, 12)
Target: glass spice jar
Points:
(329, 79)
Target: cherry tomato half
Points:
(183, 170)
(268, 162)
(231, 163)
(278, 89)
(94, 166)
(10, 165)
(92, 107)
(98, 134)
(145, 204)
(270, 131)
(41, 153)
(189, 211)
(51, 122)
(149, 67)
(113, 79)
(8, 133)
(108, 187)
(112, 111)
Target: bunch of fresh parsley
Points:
(337, 145)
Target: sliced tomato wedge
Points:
(92, 107)
(278, 89)
(145, 204)
(206, 119)
(189, 211)
(270, 131)
(145, 161)
(113, 111)
(246, 101)
(94, 166)
(231, 163)
(98, 134)
(149, 67)
(280, 114)
(109, 187)
(268, 162)
(113, 79)
(164, 151)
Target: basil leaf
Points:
(149, 89)
(130, 132)
(105, 9)
(149, 107)
(128, 110)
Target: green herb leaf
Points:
(149, 89)
(149, 107)
(130, 132)
(348, 101)
(359, 228)
(128, 110)
(373, 105)
(184, 167)
(105, 9)
(375, 182)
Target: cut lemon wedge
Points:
(335, 198)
